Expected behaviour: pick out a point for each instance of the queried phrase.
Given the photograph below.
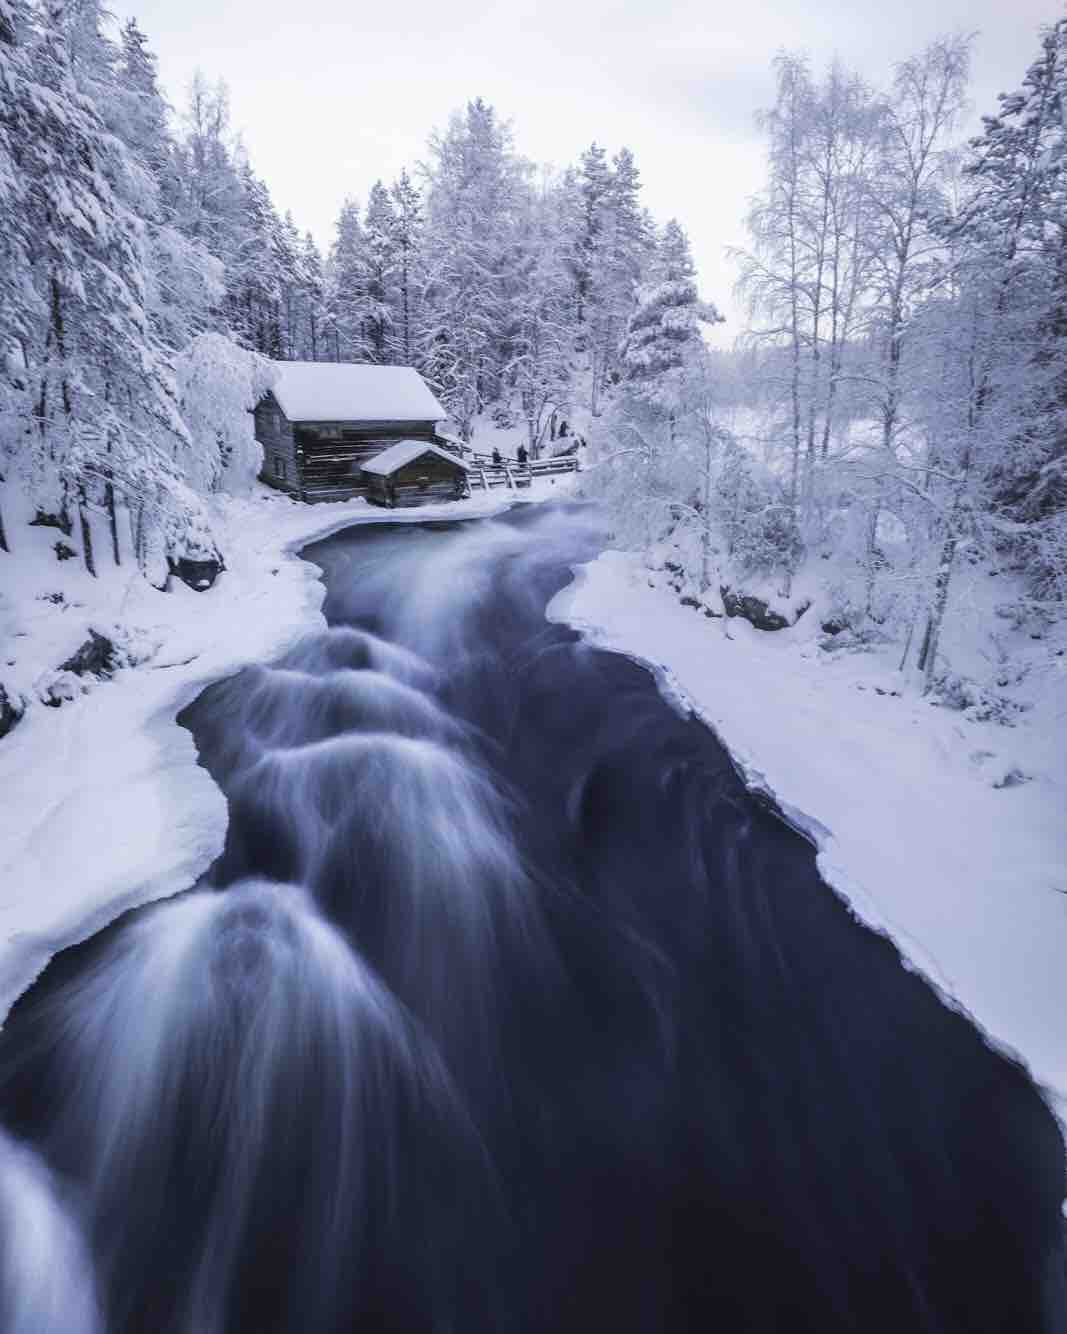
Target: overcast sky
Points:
(330, 95)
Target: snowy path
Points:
(971, 881)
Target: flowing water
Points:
(506, 1008)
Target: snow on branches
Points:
(219, 384)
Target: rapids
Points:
(506, 1008)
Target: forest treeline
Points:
(894, 410)
(897, 406)
(147, 278)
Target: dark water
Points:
(505, 1009)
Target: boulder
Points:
(198, 574)
(96, 657)
(756, 611)
(10, 712)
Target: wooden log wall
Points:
(420, 482)
(332, 453)
(274, 431)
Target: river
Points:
(506, 1008)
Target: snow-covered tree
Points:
(542, 335)
(380, 265)
(665, 324)
(211, 197)
(345, 295)
(473, 196)
(219, 384)
(994, 412)
(407, 236)
(617, 262)
(21, 304)
(591, 185)
(255, 271)
(311, 293)
(184, 281)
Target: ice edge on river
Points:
(600, 630)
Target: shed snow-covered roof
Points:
(406, 451)
(325, 391)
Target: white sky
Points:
(330, 95)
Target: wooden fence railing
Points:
(486, 474)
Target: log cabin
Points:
(322, 421)
(411, 472)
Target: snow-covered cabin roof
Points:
(326, 391)
(406, 451)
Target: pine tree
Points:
(20, 304)
(616, 249)
(541, 335)
(288, 247)
(254, 272)
(380, 267)
(592, 183)
(407, 221)
(345, 301)
(473, 196)
(184, 282)
(666, 323)
(104, 411)
(311, 287)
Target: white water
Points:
(244, 1029)
(46, 1281)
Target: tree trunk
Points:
(927, 659)
(112, 519)
(86, 534)
(870, 552)
(705, 536)
(140, 555)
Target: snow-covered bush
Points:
(759, 529)
(219, 384)
(978, 703)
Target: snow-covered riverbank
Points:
(104, 805)
(968, 878)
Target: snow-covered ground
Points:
(969, 878)
(104, 805)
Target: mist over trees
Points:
(897, 406)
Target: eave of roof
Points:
(403, 452)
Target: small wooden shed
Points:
(323, 420)
(412, 472)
